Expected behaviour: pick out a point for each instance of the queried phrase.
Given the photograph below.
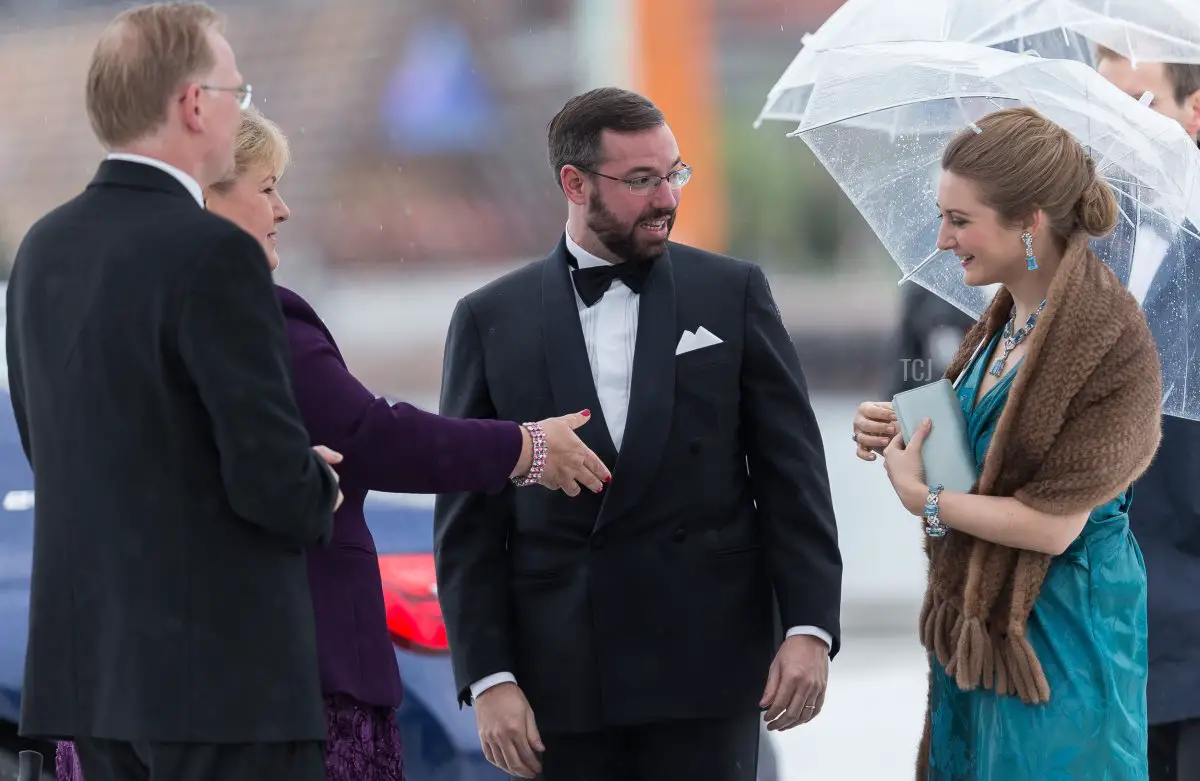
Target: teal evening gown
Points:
(1088, 627)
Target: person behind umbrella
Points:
(386, 447)
(1035, 610)
(1166, 516)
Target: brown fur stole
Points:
(1081, 423)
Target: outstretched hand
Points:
(904, 466)
(570, 464)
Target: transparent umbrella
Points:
(1141, 30)
(880, 115)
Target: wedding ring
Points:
(854, 436)
(810, 707)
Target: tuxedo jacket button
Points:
(680, 535)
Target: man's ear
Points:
(1191, 106)
(190, 107)
(573, 184)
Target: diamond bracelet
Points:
(538, 438)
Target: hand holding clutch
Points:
(874, 427)
(906, 469)
(946, 455)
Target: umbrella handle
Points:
(918, 267)
(30, 766)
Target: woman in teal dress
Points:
(1035, 612)
(1095, 664)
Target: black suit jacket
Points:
(652, 600)
(1165, 514)
(174, 480)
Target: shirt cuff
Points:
(483, 684)
(811, 630)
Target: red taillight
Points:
(414, 616)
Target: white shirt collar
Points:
(185, 179)
(584, 258)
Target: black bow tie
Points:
(593, 282)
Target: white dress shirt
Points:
(185, 179)
(1148, 255)
(610, 334)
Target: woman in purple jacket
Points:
(386, 447)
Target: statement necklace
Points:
(1011, 340)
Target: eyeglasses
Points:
(243, 93)
(644, 185)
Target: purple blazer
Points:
(386, 447)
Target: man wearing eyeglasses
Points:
(171, 631)
(638, 632)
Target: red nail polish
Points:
(587, 413)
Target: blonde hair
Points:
(143, 57)
(1022, 162)
(259, 142)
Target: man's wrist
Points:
(490, 682)
(811, 631)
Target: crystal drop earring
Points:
(1030, 260)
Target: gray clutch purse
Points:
(946, 454)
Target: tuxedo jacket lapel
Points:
(651, 395)
(566, 355)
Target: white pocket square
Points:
(694, 341)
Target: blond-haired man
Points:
(171, 631)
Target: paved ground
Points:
(869, 728)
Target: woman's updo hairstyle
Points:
(1021, 162)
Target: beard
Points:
(622, 239)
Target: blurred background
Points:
(419, 173)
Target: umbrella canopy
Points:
(1140, 30)
(880, 115)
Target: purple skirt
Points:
(363, 744)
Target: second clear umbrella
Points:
(1141, 30)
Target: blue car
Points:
(440, 741)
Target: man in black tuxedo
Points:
(1165, 514)
(641, 625)
(171, 629)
